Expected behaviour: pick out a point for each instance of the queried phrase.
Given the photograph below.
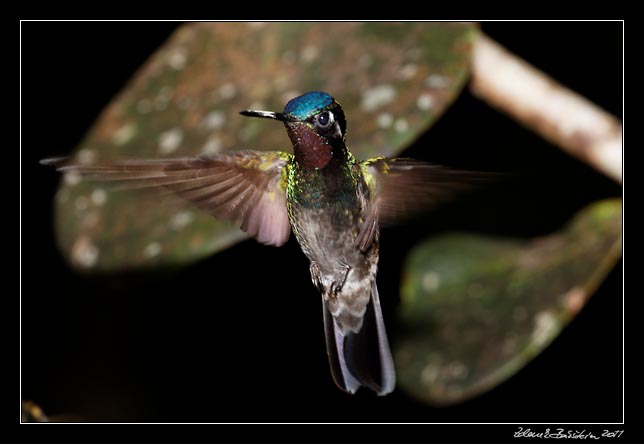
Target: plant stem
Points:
(540, 103)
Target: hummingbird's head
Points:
(315, 112)
(320, 112)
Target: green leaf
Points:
(393, 80)
(476, 309)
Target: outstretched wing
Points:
(244, 186)
(402, 187)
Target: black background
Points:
(168, 347)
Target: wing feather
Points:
(402, 187)
(244, 186)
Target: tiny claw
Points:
(314, 269)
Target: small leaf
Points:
(393, 80)
(476, 309)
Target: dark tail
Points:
(363, 358)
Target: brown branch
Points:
(541, 104)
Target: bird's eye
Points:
(324, 119)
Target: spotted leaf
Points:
(476, 309)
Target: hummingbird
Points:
(332, 202)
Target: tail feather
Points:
(363, 358)
(335, 349)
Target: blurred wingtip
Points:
(56, 162)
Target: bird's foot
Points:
(314, 268)
(336, 286)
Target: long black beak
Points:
(265, 114)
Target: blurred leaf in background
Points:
(476, 309)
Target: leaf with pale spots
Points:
(392, 79)
(476, 309)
